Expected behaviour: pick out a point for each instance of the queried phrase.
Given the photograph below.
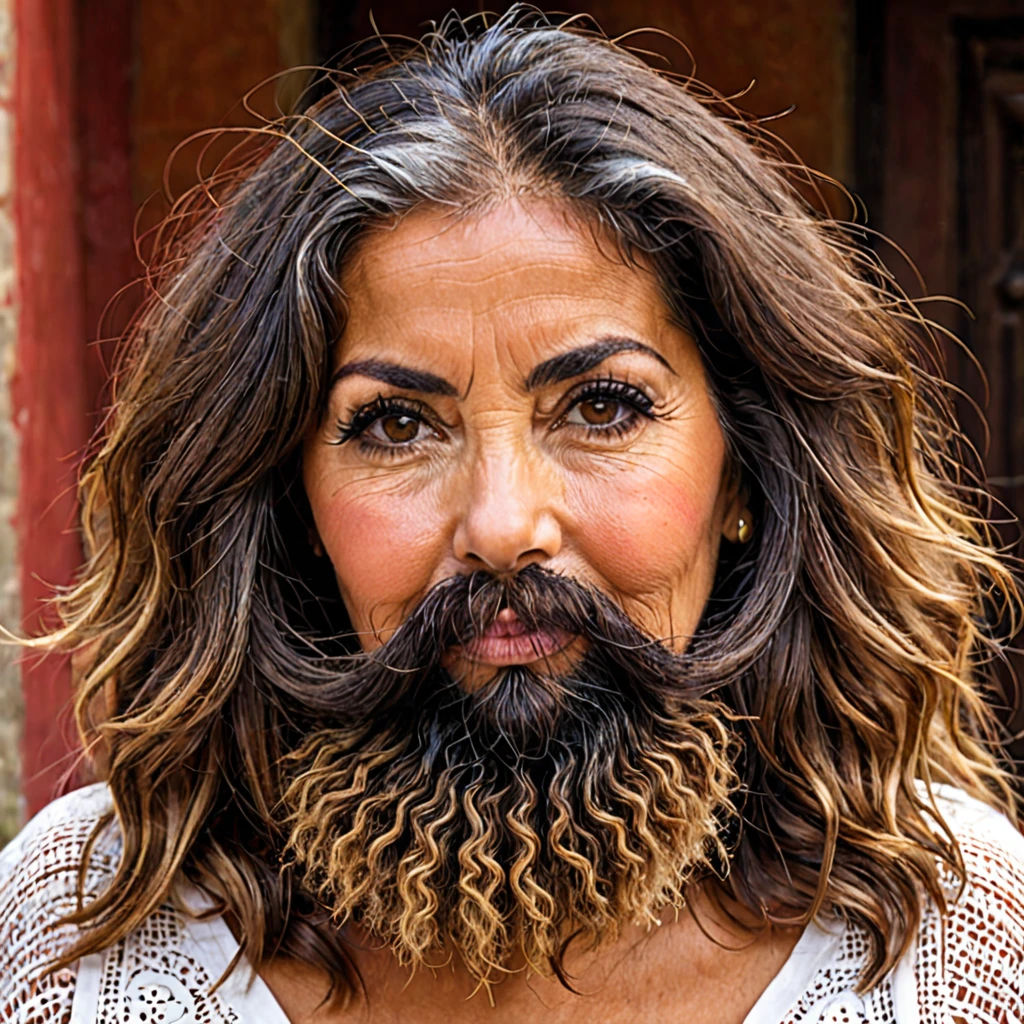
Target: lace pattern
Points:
(970, 964)
(831, 997)
(967, 967)
(158, 976)
(38, 885)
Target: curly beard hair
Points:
(504, 823)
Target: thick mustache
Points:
(462, 608)
(361, 687)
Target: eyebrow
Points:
(586, 357)
(551, 371)
(398, 376)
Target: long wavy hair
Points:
(853, 639)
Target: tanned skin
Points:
(484, 330)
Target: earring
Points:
(744, 527)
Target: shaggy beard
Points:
(512, 820)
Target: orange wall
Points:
(195, 59)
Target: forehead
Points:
(521, 274)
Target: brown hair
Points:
(852, 639)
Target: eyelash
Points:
(366, 415)
(362, 418)
(638, 401)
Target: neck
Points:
(642, 966)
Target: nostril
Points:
(480, 562)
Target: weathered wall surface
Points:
(195, 63)
(10, 677)
(791, 53)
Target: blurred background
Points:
(917, 106)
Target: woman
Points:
(528, 542)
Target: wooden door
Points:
(940, 130)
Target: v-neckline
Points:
(815, 947)
(251, 997)
(243, 989)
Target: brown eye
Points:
(611, 408)
(399, 428)
(599, 412)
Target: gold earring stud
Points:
(744, 529)
(314, 542)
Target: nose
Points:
(509, 518)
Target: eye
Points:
(599, 412)
(395, 428)
(387, 425)
(607, 407)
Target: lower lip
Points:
(521, 649)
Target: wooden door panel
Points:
(951, 194)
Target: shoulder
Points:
(993, 853)
(39, 884)
(60, 821)
(970, 960)
(48, 851)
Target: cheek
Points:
(384, 548)
(650, 529)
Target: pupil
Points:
(401, 428)
(599, 412)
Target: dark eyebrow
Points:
(586, 357)
(396, 375)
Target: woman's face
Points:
(506, 393)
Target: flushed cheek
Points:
(647, 534)
(384, 549)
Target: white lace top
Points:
(965, 967)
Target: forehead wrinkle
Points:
(557, 304)
(444, 273)
(383, 247)
(499, 248)
(530, 292)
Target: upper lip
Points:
(506, 623)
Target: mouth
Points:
(509, 641)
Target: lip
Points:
(507, 641)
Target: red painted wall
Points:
(49, 388)
(104, 89)
(73, 214)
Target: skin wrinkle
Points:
(493, 440)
